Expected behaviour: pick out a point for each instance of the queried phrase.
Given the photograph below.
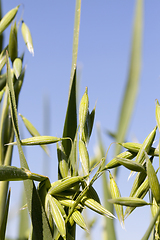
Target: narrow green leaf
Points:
(1, 94)
(18, 84)
(91, 193)
(108, 225)
(35, 208)
(133, 77)
(3, 198)
(1, 35)
(4, 222)
(2, 81)
(70, 125)
(151, 226)
(12, 173)
(75, 40)
(73, 157)
(3, 123)
(24, 219)
(109, 232)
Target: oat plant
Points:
(56, 208)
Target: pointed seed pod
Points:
(57, 216)
(65, 184)
(38, 140)
(62, 162)
(48, 213)
(83, 111)
(3, 57)
(88, 126)
(146, 146)
(129, 201)
(140, 177)
(27, 37)
(85, 133)
(78, 218)
(60, 208)
(96, 207)
(115, 193)
(140, 193)
(67, 202)
(7, 19)
(153, 180)
(114, 163)
(17, 67)
(135, 147)
(132, 165)
(154, 209)
(33, 131)
(13, 48)
(84, 157)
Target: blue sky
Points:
(103, 60)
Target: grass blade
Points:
(75, 40)
(35, 208)
(70, 125)
(151, 225)
(108, 232)
(24, 220)
(1, 35)
(11, 173)
(4, 222)
(133, 77)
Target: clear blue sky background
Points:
(103, 60)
